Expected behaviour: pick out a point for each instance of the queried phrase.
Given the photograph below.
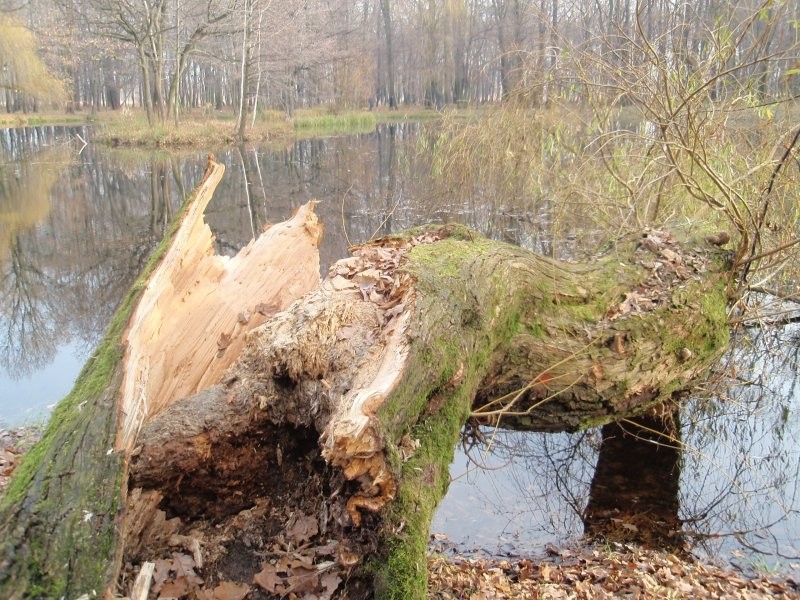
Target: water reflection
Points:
(77, 228)
(366, 184)
(633, 496)
(739, 493)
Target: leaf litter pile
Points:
(661, 254)
(587, 572)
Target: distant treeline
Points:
(168, 55)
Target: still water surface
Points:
(77, 225)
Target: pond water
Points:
(78, 223)
(735, 486)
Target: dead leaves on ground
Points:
(307, 572)
(590, 573)
(13, 444)
(175, 577)
(298, 576)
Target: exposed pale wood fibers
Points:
(219, 300)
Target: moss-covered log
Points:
(306, 453)
(342, 412)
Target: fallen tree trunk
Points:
(362, 388)
(312, 465)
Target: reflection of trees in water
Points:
(744, 452)
(67, 271)
(740, 467)
(369, 185)
(21, 143)
(28, 330)
(29, 337)
(539, 481)
(356, 178)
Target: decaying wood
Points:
(304, 453)
(360, 371)
(60, 518)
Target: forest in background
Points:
(166, 56)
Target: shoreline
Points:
(581, 571)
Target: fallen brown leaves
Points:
(591, 573)
(375, 271)
(669, 265)
(298, 577)
(13, 444)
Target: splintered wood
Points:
(190, 323)
(333, 361)
(352, 439)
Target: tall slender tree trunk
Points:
(147, 95)
(174, 99)
(258, 68)
(386, 10)
(241, 119)
(500, 10)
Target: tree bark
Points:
(313, 462)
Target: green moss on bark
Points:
(439, 400)
(58, 518)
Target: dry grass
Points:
(18, 119)
(215, 129)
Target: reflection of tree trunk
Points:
(247, 190)
(260, 178)
(160, 196)
(178, 176)
(391, 179)
(634, 492)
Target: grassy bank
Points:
(213, 129)
(218, 129)
(37, 119)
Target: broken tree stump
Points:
(180, 324)
(342, 412)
